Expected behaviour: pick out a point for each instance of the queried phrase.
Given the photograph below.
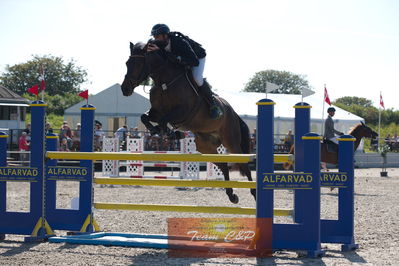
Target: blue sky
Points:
(352, 46)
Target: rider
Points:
(329, 130)
(182, 50)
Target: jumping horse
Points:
(175, 101)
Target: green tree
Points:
(57, 104)
(289, 82)
(61, 77)
(364, 108)
(353, 100)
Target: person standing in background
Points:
(23, 145)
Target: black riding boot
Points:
(205, 90)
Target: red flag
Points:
(34, 90)
(84, 94)
(381, 101)
(42, 81)
(326, 98)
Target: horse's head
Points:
(365, 131)
(137, 70)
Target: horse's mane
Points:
(138, 47)
(354, 129)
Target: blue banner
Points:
(22, 174)
(287, 181)
(334, 179)
(67, 173)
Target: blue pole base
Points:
(349, 247)
(42, 235)
(316, 253)
(38, 238)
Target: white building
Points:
(12, 113)
(113, 109)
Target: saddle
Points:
(331, 146)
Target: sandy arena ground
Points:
(376, 225)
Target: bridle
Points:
(142, 74)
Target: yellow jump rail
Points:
(185, 208)
(196, 157)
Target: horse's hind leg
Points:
(209, 144)
(244, 170)
(229, 191)
(232, 141)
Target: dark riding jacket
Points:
(329, 130)
(184, 50)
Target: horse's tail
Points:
(244, 142)
(245, 138)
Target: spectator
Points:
(166, 144)
(48, 128)
(27, 130)
(395, 140)
(154, 142)
(121, 133)
(135, 133)
(66, 133)
(23, 145)
(64, 145)
(388, 139)
(76, 138)
(289, 139)
(147, 137)
(98, 137)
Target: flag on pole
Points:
(271, 87)
(326, 98)
(84, 94)
(381, 101)
(34, 90)
(41, 78)
(306, 92)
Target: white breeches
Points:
(334, 139)
(198, 72)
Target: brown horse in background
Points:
(359, 131)
(175, 101)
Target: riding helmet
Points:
(160, 29)
(330, 109)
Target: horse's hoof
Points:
(179, 135)
(155, 130)
(253, 192)
(234, 198)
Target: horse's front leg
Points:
(174, 115)
(151, 116)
